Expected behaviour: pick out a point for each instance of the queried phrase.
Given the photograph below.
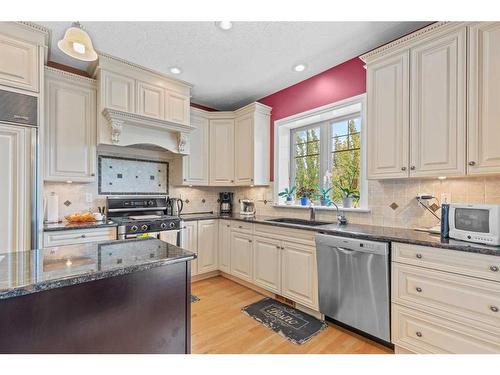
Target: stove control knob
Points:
(151, 203)
(144, 227)
(134, 228)
(171, 225)
(163, 225)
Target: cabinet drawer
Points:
(305, 237)
(419, 332)
(69, 237)
(478, 265)
(241, 226)
(474, 301)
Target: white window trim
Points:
(282, 152)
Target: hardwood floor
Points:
(218, 326)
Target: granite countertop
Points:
(66, 225)
(34, 271)
(375, 233)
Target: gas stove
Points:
(141, 215)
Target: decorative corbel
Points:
(116, 130)
(182, 142)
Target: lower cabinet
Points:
(242, 255)
(225, 246)
(267, 263)
(207, 246)
(78, 236)
(190, 242)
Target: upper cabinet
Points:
(70, 120)
(118, 91)
(19, 65)
(432, 102)
(221, 152)
(177, 105)
(150, 100)
(484, 98)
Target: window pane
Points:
(340, 143)
(313, 134)
(313, 148)
(339, 128)
(306, 173)
(300, 136)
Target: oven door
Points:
(170, 236)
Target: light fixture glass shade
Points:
(77, 44)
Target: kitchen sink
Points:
(285, 220)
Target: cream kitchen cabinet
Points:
(221, 152)
(267, 263)
(19, 64)
(225, 246)
(484, 98)
(70, 120)
(118, 91)
(78, 236)
(438, 106)
(389, 116)
(242, 255)
(177, 105)
(207, 246)
(189, 241)
(16, 155)
(150, 100)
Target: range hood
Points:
(130, 129)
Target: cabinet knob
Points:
(232, 180)
(184, 179)
(278, 247)
(418, 333)
(403, 168)
(494, 268)
(92, 174)
(239, 226)
(419, 256)
(494, 308)
(282, 248)
(249, 240)
(83, 236)
(472, 163)
(418, 289)
(412, 167)
(228, 225)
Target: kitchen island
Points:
(129, 296)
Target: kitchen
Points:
(287, 225)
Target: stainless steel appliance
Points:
(475, 223)
(174, 206)
(226, 203)
(19, 188)
(247, 207)
(146, 215)
(353, 278)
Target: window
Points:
(323, 148)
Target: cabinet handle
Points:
(184, 179)
(239, 226)
(419, 256)
(228, 225)
(494, 268)
(83, 236)
(412, 167)
(418, 289)
(278, 247)
(494, 308)
(472, 163)
(418, 333)
(92, 174)
(282, 248)
(232, 180)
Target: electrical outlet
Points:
(445, 198)
(88, 197)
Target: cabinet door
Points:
(225, 246)
(484, 98)
(177, 107)
(189, 241)
(299, 274)
(195, 165)
(221, 152)
(243, 150)
(388, 117)
(150, 100)
(267, 263)
(207, 246)
(15, 188)
(19, 65)
(70, 118)
(119, 92)
(241, 255)
(438, 106)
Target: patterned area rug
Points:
(294, 325)
(194, 298)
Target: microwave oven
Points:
(475, 223)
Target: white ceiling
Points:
(232, 68)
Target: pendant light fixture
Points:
(77, 44)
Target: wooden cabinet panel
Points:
(19, 64)
(484, 98)
(267, 263)
(241, 255)
(15, 188)
(222, 152)
(225, 246)
(438, 106)
(243, 150)
(195, 165)
(388, 117)
(70, 118)
(299, 274)
(189, 241)
(77, 236)
(119, 92)
(150, 100)
(207, 246)
(177, 107)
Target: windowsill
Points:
(325, 208)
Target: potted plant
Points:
(305, 194)
(288, 194)
(348, 196)
(324, 196)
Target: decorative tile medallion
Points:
(394, 206)
(67, 203)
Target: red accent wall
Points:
(337, 83)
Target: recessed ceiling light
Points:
(299, 67)
(175, 70)
(224, 25)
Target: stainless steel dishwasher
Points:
(353, 278)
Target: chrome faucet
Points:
(312, 213)
(341, 219)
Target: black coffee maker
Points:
(226, 203)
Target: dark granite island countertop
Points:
(129, 296)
